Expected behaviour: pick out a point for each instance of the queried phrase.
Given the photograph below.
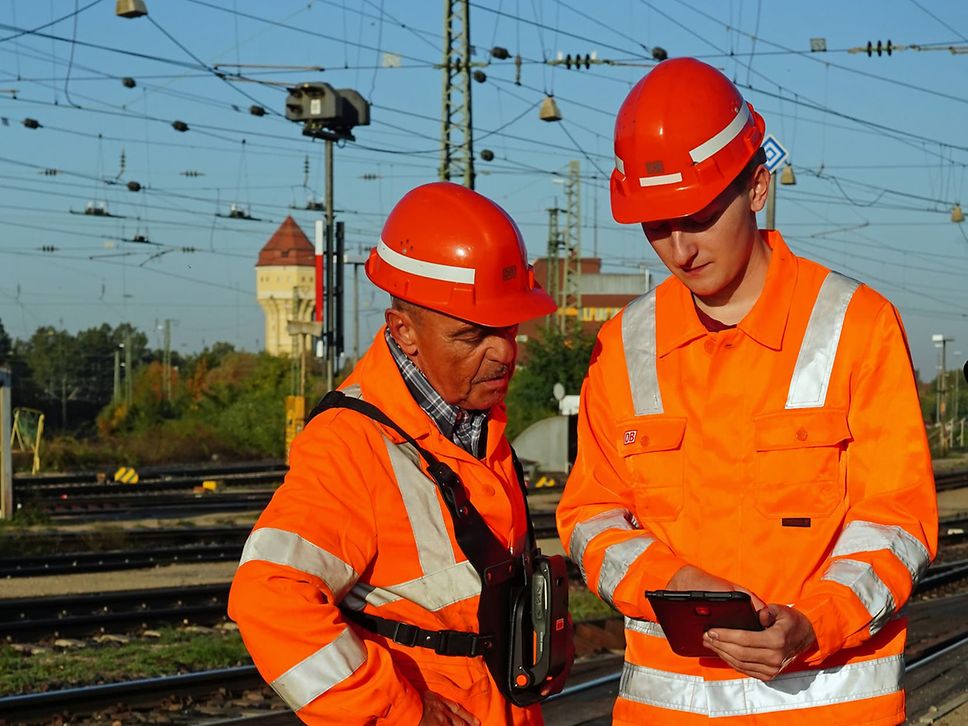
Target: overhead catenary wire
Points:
(524, 151)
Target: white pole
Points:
(6, 462)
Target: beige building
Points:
(285, 286)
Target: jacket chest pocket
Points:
(797, 462)
(652, 449)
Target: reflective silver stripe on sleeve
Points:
(434, 549)
(585, 532)
(811, 376)
(638, 339)
(268, 544)
(644, 627)
(616, 563)
(859, 536)
(863, 581)
(431, 592)
(353, 391)
(749, 696)
(315, 675)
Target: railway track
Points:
(587, 697)
(175, 492)
(198, 471)
(127, 548)
(951, 480)
(114, 612)
(247, 491)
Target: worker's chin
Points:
(486, 394)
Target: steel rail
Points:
(115, 560)
(206, 470)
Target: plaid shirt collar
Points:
(467, 429)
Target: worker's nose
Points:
(683, 247)
(504, 347)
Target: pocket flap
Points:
(649, 433)
(800, 428)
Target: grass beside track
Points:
(174, 651)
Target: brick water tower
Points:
(285, 286)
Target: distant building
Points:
(603, 294)
(286, 285)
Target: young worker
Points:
(750, 424)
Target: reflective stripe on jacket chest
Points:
(811, 374)
(444, 581)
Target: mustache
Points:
(500, 372)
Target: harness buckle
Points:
(405, 634)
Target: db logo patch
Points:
(630, 436)
(509, 272)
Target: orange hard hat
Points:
(450, 249)
(683, 134)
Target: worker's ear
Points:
(400, 323)
(759, 188)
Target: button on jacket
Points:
(787, 455)
(357, 522)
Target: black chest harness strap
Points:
(486, 555)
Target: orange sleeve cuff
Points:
(823, 614)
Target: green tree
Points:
(546, 359)
(6, 345)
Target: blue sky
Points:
(877, 143)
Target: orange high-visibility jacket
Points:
(787, 455)
(357, 522)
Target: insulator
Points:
(179, 126)
(128, 82)
(659, 54)
(479, 76)
(487, 155)
(31, 123)
(134, 186)
(500, 53)
(257, 110)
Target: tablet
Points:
(686, 614)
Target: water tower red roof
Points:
(288, 246)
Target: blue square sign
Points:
(775, 153)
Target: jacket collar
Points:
(765, 322)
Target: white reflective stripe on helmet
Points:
(620, 166)
(433, 270)
(720, 140)
(655, 181)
